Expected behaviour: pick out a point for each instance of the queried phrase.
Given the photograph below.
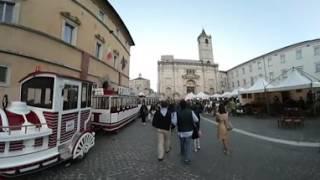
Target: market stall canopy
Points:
(217, 96)
(189, 96)
(295, 80)
(226, 95)
(141, 94)
(202, 95)
(257, 87)
(236, 92)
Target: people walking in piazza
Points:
(143, 112)
(184, 122)
(152, 111)
(223, 128)
(231, 106)
(173, 108)
(162, 120)
(197, 109)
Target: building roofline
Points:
(141, 78)
(275, 51)
(121, 22)
(190, 62)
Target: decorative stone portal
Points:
(191, 86)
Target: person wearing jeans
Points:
(185, 121)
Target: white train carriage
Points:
(149, 100)
(48, 125)
(112, 112)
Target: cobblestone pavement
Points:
(268, 126)
(131, 154)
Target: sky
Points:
(241, 29)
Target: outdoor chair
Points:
(258, 110)
(291, 117)
(297, 117)
(288, 121)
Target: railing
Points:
(16, 128)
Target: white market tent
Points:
(257, 87)
(189, 96)
(202, 95)
(295, 80)
(226, 95)
(217, 96)
(236, 92)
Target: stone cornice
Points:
(68, 15)
(190, 76)
(187, 63)
(100, 38)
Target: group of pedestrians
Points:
(185, 118)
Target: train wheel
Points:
(85, 142)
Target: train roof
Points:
(37, 73)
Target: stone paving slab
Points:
(131, 154)
(267, 126)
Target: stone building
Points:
(177, 77)
(140, 85)
(272, 65)
(82, 38)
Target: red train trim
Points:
(2, 147)
(1, 124)
(33, 118)
(65, 136)
(15, 120)
(38, 142)
(16, 146)
(52, 122)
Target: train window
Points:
(119, 103)
(84, 95)
(38, 92)
(70, 97)
(89, 95)
(114, 104)
(104, 101)
(125, 102)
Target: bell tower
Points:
(205, 47)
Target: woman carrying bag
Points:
(224, 126)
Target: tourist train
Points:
(55, 118)
(48, 125)
(113, 110)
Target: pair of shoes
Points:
(187, 161)
(168, 150)
(198, 148)
(195, 150)
(160, 159)
(226, 152)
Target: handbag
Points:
(195, 131)
(229, 126)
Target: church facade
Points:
(178, 77)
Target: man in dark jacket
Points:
(143, 112)
(197, 109)
(185, 124)
(162, 120)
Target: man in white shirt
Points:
(185, 123)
